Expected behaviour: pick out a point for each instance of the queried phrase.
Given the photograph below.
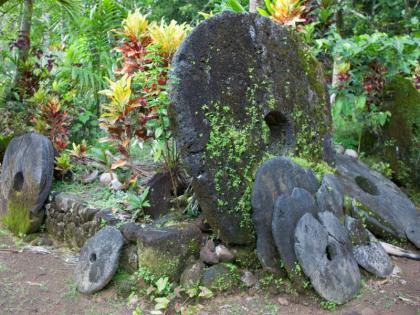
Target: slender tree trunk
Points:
(253, 4)
(339, 19)
(63, 32)
(46, 38)
(23, 42)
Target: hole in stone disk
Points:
(278, 125)
(366, 185)
(18, 182)
(92, 258)
(331, 252)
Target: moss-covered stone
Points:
(245, 88)
(399, 141)
(26, 180)
(246, 257)
(165, 251)
(221, 278)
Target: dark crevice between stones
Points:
(367, 185)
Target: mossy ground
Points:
(17, 219)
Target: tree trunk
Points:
(339, 19)
(23, 43)
(253, 4)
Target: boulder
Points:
(275, 177)
(367, 251)
(165, 251)
(191, 276)
(99, 260)
(26, 177)
(220, 278)
(224, 254)
(129, 260)
(243, 86)
(288, 210)
(90, 177)
(330, 196)
(325, 255)
(248, 279)
(208, 254)
(351, 153)
(106, 178)
(380, 204)
(160, 193)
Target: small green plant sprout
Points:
(235, 6)
(162, 304)
(136, 203)
(79, 150)
(63, 163)
(328, 305)
(286, 12)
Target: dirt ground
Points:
(33, 283)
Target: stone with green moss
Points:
(380, 204)
(398, 143)
(244, 89)
(166, 251)
(26, 180)
(221, 277)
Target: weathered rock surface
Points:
(71, 220)
(208, 254)
(275, 177)
(220, 278)
(325, 259)
(26, 177)
(129, 260)
(191, 276)
(243, 86)
(386, 209)
(98, 260)
(165, 251)
(224, 254)
(288, 210)
(367, 251)
(90, 177)
(106, 178)
(329, 196)
(248, 279)
(159, 195)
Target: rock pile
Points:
(309, 227)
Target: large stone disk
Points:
(243, 86)
(323, 250)
(386, 210)
(26, 178)
(274, 178)
(288, 210)
(99, 259)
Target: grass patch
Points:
(17, 219)
(3, 268)
(71, 292)
(97, 195)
